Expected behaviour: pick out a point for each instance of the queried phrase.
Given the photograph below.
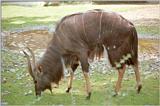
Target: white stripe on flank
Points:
(65, 71)
(106, 57)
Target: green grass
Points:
(15, 17)
(148, 30)
(102, 88)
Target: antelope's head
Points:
(37, 72)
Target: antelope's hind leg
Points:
(138, 80)
(119, 81)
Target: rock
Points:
(147, 73)
(29, 79)
(126, 79)
(19, 78)
(16, 65)
(38, 99)
(27, 74)
(28, 93)
(25, 93)
(4, 80)
(21, 83)
(124, 94)
(4, 103)
(112, 80)
(104, 72)
(104, 83)
(28, 85)
(75, 91)
(12, 70)
(20, 45)
(26, 41)
(14, 81)
(5, 93)
(13, 44)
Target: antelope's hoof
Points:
(67, 91)
(89, 96)
(139, 88)
(115, 94)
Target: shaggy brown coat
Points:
(81, 36)
(83, 32)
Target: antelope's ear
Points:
(40, 69)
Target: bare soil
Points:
(149, 15)
(35, 39)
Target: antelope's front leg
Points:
(70, 80)
(71, 71)
(85, 69)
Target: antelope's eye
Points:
(35, 81)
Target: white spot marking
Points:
(128, 55)
(122, 61)
(114, 46)
(118, 65)
(108, 48)
(125, 57)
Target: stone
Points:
(4, 80)
(12, 70)
(28, 93)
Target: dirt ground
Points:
(35, 39)
(144, 16)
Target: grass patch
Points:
(22, 22)
(14, 17)
(150, 88)
(18, 82)
(148, 30)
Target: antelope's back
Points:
(81, 31)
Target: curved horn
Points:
(33, 57)
(29, 64)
